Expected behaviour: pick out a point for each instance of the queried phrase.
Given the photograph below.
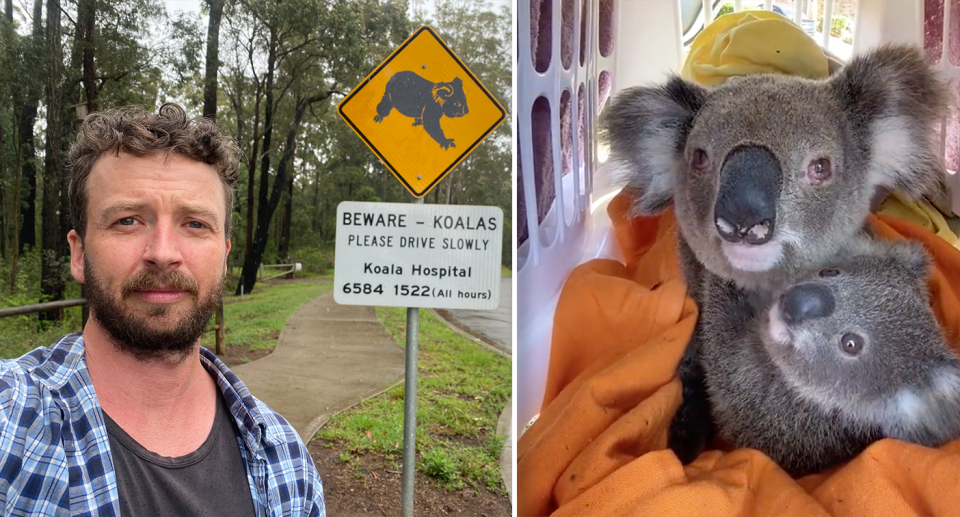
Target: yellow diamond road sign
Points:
(421, 111)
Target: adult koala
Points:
(769, 174)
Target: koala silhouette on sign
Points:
(427, 102)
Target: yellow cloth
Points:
(759, 41)
(922, 213)
(752, 42)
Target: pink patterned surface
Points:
(933, 43)
(541, 12)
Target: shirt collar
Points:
(63, 362)
(246, 409)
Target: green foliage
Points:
(315, 260)
(255, 322)
(462, 389)
(436, 463)
(20, 334)
(726, 8)
(840, 27)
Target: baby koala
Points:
(850, 354)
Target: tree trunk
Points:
(51, 279)
(16, 220)
(267, 131)
(449, 181)
(251, 262)
(82, 67)
(263, 221)
(86, 23)
(28, 154)
(316, 201)
(16, 226)
(8, 12)
(283, 242)
(252, 173)
(213, 59)
(3, 202)
(28, 164)
(287, 223)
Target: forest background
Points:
(270, 72)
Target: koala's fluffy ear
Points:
(646, 129)
(893, 98)
(911, 256)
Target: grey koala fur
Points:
(789, 390)
(872, 120)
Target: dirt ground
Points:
(236, 355)
(371, 490)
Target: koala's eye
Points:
(851, 343)
(819, 171)
(829, 272)
(700, 160)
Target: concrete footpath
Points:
(328, 358)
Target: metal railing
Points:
(296, 266)
(20, 310)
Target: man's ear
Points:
(225, 256)
(893, 99)
(76, 255)
(646, 129)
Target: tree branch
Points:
(115, 77)
(65, 13)
(296, 48)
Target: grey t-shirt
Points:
(209, 482)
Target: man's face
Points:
(154, 257)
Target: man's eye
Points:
(126, 221)
(196, 225)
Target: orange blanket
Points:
(599, 445)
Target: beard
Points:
(132, 333)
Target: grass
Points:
(251, 323)
(254, 321)
(505, 271)
(462, 388)
(21, 334)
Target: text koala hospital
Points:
(418, 269)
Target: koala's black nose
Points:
(746, 208)
(805, 302)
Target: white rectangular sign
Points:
(413, 255)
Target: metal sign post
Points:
(410, 408)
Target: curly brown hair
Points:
(133, 130)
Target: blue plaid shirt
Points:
(55, 453)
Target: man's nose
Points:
(163, 248)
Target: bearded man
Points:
(133, 416)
